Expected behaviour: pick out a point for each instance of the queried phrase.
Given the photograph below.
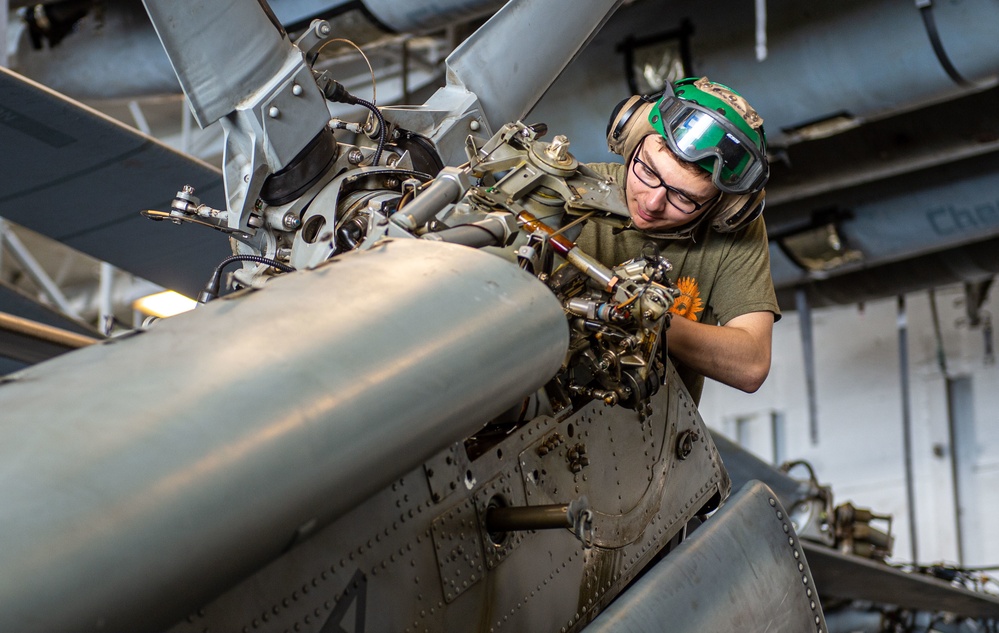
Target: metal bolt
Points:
(474, 125)
(297, 90)
(684, 445)
(187, 189)
(274, 112)
(324, 28)
(355, 156)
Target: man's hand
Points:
(736, 354)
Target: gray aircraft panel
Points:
(81, 178)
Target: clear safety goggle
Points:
(696, 133)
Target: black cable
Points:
(381, 127)
(211, 290)
(926, 10)
(334, 91)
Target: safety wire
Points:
(374, 96)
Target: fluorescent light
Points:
(164, 304)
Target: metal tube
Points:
(444, 190)
(508, 519)
(105, 321)
(864, 532)
(408, 16)
(42, 332)
(4, 12)
(808, 350)
(952, 439)
(903, 366)
(238, 428)
(38, 274)
(488, 232)
(958, 415)
(568, 249)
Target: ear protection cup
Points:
(735, 212)
(613, 123)
(629, 124)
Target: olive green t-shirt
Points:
(721, 275)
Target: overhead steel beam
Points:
(32, 342)
(34, 270)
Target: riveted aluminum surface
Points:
(447, 472)
(340, 575)
(459, 549)
(387, 551)
(508, 488)
(742, 570)
(631, 463)
(625, 450)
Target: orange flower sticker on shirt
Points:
(688, 304)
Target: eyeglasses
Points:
(648, 177)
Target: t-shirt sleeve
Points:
(614, 171)
(744, 283)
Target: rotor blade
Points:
(743, 467)
(222, 51)
(511, 61)
(738, 571)
(854, 578)
(80, 177)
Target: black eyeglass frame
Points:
(662, 183)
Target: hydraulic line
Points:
(567, 249)
(211, 290)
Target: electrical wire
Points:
(381, 128)
(212, 288)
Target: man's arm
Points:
(736, 354)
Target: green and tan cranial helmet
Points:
(708, 124)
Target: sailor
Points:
(694, 175)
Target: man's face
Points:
(656, 208)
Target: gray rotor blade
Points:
(222, 51)
(511, 61)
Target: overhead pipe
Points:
(910, 485)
